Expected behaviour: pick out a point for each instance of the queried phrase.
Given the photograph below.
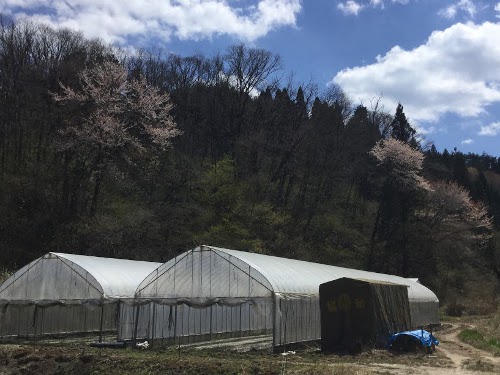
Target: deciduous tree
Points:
(401, 167)
(112, 119)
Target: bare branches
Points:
(335, 96)
(251, 67)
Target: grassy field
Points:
(483, 333)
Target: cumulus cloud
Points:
(350, 7)
(456, 71)
(467, 141)
(114, 21)
(466, 6)
(490, 130)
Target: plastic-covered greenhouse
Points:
(210, 292)
(60, 294)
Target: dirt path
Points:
(464, 355)
(464, 359)
(451, 357)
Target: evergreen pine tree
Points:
(401, 128)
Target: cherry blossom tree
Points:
(401, 164)
(451, 213)
(454, 232)
(415, 216)
(111, 118)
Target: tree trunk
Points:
(97, 190)
(371, 254)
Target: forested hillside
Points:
(145, 156)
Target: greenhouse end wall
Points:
(424, 313)
(200, 294)
(67, 294)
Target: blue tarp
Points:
(423, 336)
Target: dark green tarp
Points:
(357, 313)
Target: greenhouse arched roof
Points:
(284, 276)
(74, 279)
(300, 277)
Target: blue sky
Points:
(439, 58)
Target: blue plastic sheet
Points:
(423, 336)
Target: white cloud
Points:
(456, 71)
(350, 7)
(466, 6)
(421, 130)
(448, 12)
(114, 21)
(490, 130)
(467, 141)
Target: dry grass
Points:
(478, 365)
(324, 369)
(479, 297)
(41, 360)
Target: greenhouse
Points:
(61, 294)
(211, 292)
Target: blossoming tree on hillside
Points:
(410, 209)
(112, 120)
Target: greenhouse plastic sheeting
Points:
(66, 293)
(58, 278)
(181, 323)
(210, 276)
(37, 322)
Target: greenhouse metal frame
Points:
(65, 294)
(211, 292)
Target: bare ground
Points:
(245, 356)
(463, 358)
